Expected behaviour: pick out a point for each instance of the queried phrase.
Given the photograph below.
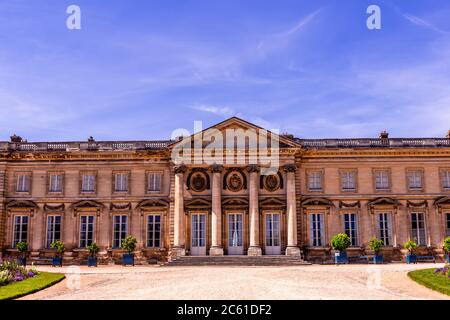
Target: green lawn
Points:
(430, 280)
(19, 289)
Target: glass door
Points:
(198, 234)
(273, 243)
(235, 243)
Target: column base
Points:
(178, 252)
(293, 251)
(254, 251)
(216, 251)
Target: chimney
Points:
(384, 135)
(91, 139)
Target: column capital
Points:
(290, 167)
(253, 168)
(180, 169)
(216, 168)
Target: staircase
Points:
(237, 261)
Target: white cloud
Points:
(221, 111)
(423, 23)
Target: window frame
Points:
(49, 182)
(87, 215)
(88, 192)
(313, 230)
(321, 172)
(389, 217)
(355, 230)
(147, 181)
(13, 238)
(114, 181)
(29, 185)
(341, 180)
(447, 223)
(389, 179)
(422, 179)
(416, 236)
(127, 223)
(442, 172)
(147, 230)
(53, 215)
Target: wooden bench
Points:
(426, 259)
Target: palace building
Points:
(394, 189)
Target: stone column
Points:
(291, 211)
(255, 247)
(179, 248)
(216, 213)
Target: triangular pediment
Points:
(238, 125)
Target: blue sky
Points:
(140, 69)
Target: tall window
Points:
(154, 231)
(23, 182)
(119, 230)
(316, 229)
(382, 180)
(20, 230)
(445, 179)
(86, 231)
(88, 182)
(418, 228)
(154, 181)
(448, 225)
(315, 180)
(55, 182)
(348, 180)
(121, 182)
(53, 229)
(351, 227)
(414, 179)
(384, 228)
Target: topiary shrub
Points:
(410, 245)
(340, 242)
(129, 244)
(447, 245)
(93, 249)
(22, 247)
(59, 246)
(376, 244)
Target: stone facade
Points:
(99, 192)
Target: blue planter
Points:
(341, 258)
(378, 259)
(447, 258)
(22, 261)
(411, 258)
(92, 261)
(128, 259)
(57, 262)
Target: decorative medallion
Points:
(234, 182)
(198, 182)
(271, 183)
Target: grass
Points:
(19, 289)
(430, 280)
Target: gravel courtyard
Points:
(303, 282)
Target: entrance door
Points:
(235, 243)
(273, 243)
(198, 234)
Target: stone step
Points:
(237, 261)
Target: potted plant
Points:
(447, 249)
(92, 258)
(376, 244)
(129, 245)
(340, 242)
(22, 247)
(59, 247)
(410, 245)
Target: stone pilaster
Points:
(291, 211)
(179, 238)
(255, 247)
(216, 213)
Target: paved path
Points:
(302, 282)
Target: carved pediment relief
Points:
(442, 201)
(21, 204)
(384, 201)
(198, 203)
(120, 206)
(235, 202)
(345, 204)
(417, 204)
(317, 202)
(54, 207)
(272, 202)
(152, 203)
(87, 204)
